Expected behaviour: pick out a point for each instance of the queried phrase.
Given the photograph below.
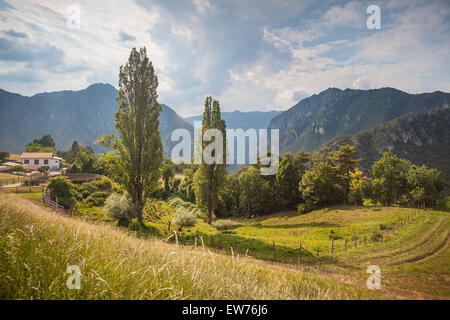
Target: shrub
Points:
(184, 218)
(104, 183)
(303, 208)
(141, 229)
(64, 190)
(88, 188)
(222, 224)
(176, 202)
(121, 208)
(16, 169)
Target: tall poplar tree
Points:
(209, 177)
(137, 120)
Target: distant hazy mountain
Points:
(67, 116)
(423, 138)
(243, 120)
(335, 113)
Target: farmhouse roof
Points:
(36, 155)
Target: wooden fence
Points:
(280, 253)
(54, 204)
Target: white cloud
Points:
(253, 54)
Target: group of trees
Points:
(308, 183)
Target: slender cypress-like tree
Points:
(137, 120)
(209, 177)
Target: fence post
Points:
(300, 251)
(365, 241)
(355, 240)
(332, 245)
(381, 239)
(195, 242)
(274, 250)
(168, 226)
(317, 251)
(346, 245)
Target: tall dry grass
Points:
(37, 245)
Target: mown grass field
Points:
(414, 257)
(37, 245)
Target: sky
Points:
(249, 54)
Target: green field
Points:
(415, 256)
(37, 245)
(414, 260)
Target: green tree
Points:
(35, 147)
(137, 120)
(389, 178)
(85, 162)
(186, 187)
(45, 141)
(168, 172)
(321, 186)
(76, 147)
(4, 155)
(286, 183)
(209, 177)
(425, 185)
(228, 203)
(343, 160)
(301, 161)
(358, 184)
(254, 190)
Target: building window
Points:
(36, 161)
(26, 161)
(45, 161)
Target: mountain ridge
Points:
(334, 112)
(423, 138)
(69, 115)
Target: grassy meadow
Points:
(37, 245)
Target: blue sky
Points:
(250, 54)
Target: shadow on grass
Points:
(295, 225)
(257, 249)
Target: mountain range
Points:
(243, 120)
(336, 113)
(422, 138)
(81, 115)
(416, 126)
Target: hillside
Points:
(335, 113)
(242, 120)
(413, 259)
(116, 265)
(422, 138)
(67, 116)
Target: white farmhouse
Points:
(40, 159)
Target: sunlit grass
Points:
(36, 246)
